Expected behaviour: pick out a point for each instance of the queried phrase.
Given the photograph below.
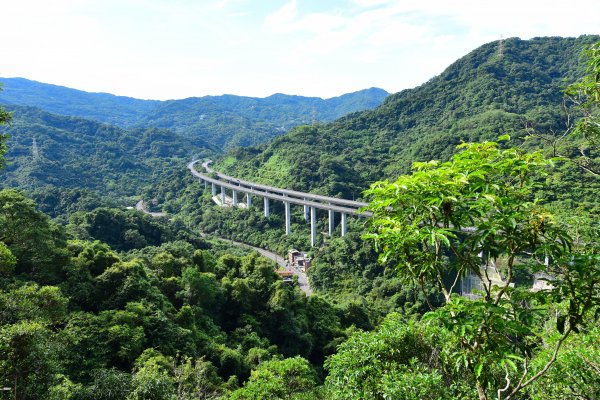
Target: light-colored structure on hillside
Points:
(299, 259)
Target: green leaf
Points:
(478, 369)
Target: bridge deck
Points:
(288, 192)
(284, 195)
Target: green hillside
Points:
(76, 153)
(494, 90)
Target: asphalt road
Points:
(281, 261)
(140, 206)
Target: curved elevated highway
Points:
(291, 193)
(310, 202)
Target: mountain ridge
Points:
(226, 120)
(485, 94)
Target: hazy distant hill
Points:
(103, 107)
(51, 150)
(224, 121)
(493, 90)
(230, 121)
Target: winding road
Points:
(279, 260)
(140, 206)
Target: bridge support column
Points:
(313, 226)
(331, 221)
(223, 195)
(266, 207)
(306, 212)
(248, 200)
(205, 185)
(343, 224)
(235, 198)
(288, 218)
(214, 189)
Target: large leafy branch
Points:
(474, 214)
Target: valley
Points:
(397, 199)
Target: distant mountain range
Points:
(222, 121)
(493, 90)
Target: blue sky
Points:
(169, 49)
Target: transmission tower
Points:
(501, 47)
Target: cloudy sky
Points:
(170, 49)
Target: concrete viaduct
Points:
(310, 202)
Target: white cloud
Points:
(371, 3)
(170, 49)
(281, 20)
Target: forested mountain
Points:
(224, 121)
(231, 121)
(104, 107)
(499, 88)
(115, 304)
(62, 138)
(67, 152)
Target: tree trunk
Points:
(481, 392)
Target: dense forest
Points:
(102, 302)
(73, 153)
(159, 313)
(483, 95)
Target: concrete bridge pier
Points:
(313, 226)
(288, 218)
(306, 211)
(205, 185)
(235, 200)
(248, 200)
(343, 224)
(214, 189)
(266, 207)
(331, 222)
(222, 195)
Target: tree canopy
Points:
(477, 277)
(476, 215)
